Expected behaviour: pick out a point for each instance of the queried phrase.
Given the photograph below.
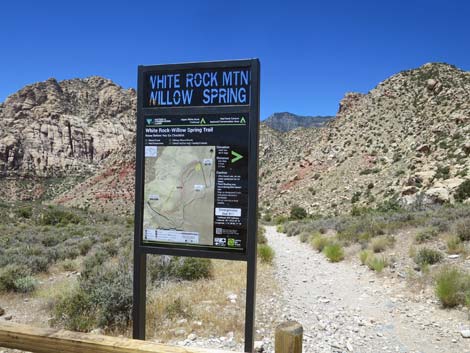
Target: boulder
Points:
(437, 195)
(409, 190)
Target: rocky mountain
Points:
(288, 121)
(60, 132)
(408, 139)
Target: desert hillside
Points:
(408, 139)
(405, 141)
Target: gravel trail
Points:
(345, 307)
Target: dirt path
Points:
(345, 307)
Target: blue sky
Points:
(311, 52)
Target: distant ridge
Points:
(287, 121)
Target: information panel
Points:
(196, 189)
(196, 180)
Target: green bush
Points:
(297, 212)
(334, 252)
(267, 217)
(10, 274)
(178, 268)
(462, 229)
(376, 263)
(463, 191)
(25, 284)
(103, 298)
(192, 268)
(452, 287)
(262, 235)
(280, 219)
(426, 256)
(84, 246)
(455, 245)
(426, 234)
(25, 212)
(381, 243)
(319, 242)
(304, 237)
(266, 253)
(280, 228)
(442, 172)
(58, 217)
(69, 265)
(364, 255)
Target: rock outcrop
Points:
(55, 129)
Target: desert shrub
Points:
(427, 256)
(24, 212)
(266, 253)
(67, 250)
(69, 265)
(364, 255)
(178, 268)
(391, 205)
(25, 284)
(103, 298)
(463, 191)
(304, 237)
(455, 245)
(442, 172)
(50, 240)
(319, 242)
(10, 274)
(297, 212)
(462, 229)
(267, 217)
(58, 217)
(178, 308)
(84, 246)
(292, 229)
(426, 234)
(280, 228)
(334, 252)
(452, 287)
(376, 263)
(262, 235)
(192, 268)
(381, 243)
(280, 219)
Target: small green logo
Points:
(149, 121)
(231, 242)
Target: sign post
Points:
(196, 189)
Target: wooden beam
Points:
(48, 340)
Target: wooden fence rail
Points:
(48, 340)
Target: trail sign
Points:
(197, 169)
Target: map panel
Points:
(179, 194)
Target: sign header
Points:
(195, 88)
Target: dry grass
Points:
(202, 307)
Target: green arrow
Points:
(242, 120)
(203, 121)
(237, 156)
(149, 121)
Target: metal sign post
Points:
(196, 189)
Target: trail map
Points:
(179, 194)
